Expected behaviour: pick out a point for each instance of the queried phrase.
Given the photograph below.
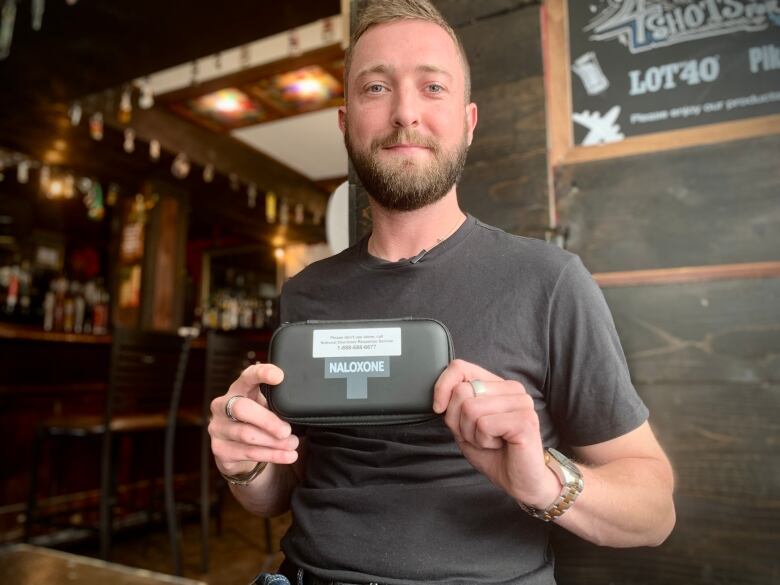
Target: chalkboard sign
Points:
(644, 66)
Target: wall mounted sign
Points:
(642, 66)
(622, 70)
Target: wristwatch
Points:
(571, 480)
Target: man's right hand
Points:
(259, 435)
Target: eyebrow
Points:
(434, 69)
(389, 70)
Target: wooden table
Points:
(22, 564)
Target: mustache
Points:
(405, 136)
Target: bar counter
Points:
(30, 565)
(34, 333)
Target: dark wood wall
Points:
(705, 356)
(707, 205)
(504, 183)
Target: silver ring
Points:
(478, 387)
(229, 407)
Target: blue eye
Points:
(435, 88)
(375, 88)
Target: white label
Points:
(328, 343)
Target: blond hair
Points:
(378, 12)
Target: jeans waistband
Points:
(309, 579)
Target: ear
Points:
(471, 120)
(343, 119)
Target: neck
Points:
(404, 234)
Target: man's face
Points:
(406, 125)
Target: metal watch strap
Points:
(572, 482)
(245, 478)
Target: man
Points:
(464, 499)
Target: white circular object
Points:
(337, 219)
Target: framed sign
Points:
(631, 76)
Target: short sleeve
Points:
(589, 389)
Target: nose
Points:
(406, 111)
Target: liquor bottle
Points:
(232, 313)
(90, 299)
(270, 314)
(12, 296)
(25, 290)
(5, 276)
(259, 315)
(60, 287)
(69, 310)
(78, 308)
(245, 315)
(100, 322)
(48, 311)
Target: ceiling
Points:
(268, 79)
(94, 48)
(308, 143)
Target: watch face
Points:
(564, 468)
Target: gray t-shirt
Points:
(400, 504)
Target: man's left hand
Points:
(497, 431)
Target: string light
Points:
(74, 113)
(23, 172)
(96, 126)
(113, 194)
(7, 20)
(154, 149)
(44, 178)
(181, 166)
(299, 213)
(129, 143)
(251, 196)
(270, 207)
(146, 99)
(57, 184)
(208, 173)
(125, 107)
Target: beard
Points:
(405, 184)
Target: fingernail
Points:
(274, 379)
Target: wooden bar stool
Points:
(227, 355)
(145, 383)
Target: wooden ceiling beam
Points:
(227, 154)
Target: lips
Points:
(405, 140)
(403, 148)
